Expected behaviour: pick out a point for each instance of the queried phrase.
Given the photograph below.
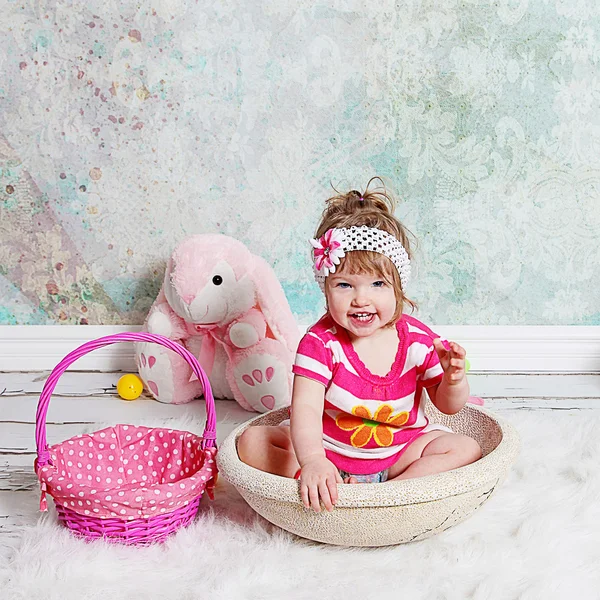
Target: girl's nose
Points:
(360, 299)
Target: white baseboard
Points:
(528, 349)
(42, 347)
(515, 349)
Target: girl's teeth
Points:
(362, 316)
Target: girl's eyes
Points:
(345, 286)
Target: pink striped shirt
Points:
(369, 420)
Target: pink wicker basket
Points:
(134, 485)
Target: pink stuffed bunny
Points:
(226, 306)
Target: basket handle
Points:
(209, 435)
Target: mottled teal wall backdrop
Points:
(125, 126)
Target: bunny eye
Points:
(217, 280)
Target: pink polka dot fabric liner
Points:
(129, 472)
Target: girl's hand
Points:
(318, 483)
(452, 361)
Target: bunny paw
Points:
(154, 366)
(255, 379)
(263, 382)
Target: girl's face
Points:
(361, 303)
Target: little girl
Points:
(362, 370)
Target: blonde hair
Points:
(373, 209)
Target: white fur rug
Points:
(538, 538)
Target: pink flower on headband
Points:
(328, 251)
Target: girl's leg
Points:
(435, 452)
(269, 449)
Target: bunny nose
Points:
(188, 298)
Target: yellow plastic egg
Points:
(467, 365)
(130, 386)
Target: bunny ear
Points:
(274, 305)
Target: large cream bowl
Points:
(381, 514)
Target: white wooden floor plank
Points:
(568, 385)
(108, 408)
(111, 409)
(576, 404)
(18, 478)
(535, 385)
(19, 436)
(16, 509)
(71, 383)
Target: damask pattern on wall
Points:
(125, 127)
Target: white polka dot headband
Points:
(333, 245)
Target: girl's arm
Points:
(319, 476)
(452, 393)
(306, 419)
